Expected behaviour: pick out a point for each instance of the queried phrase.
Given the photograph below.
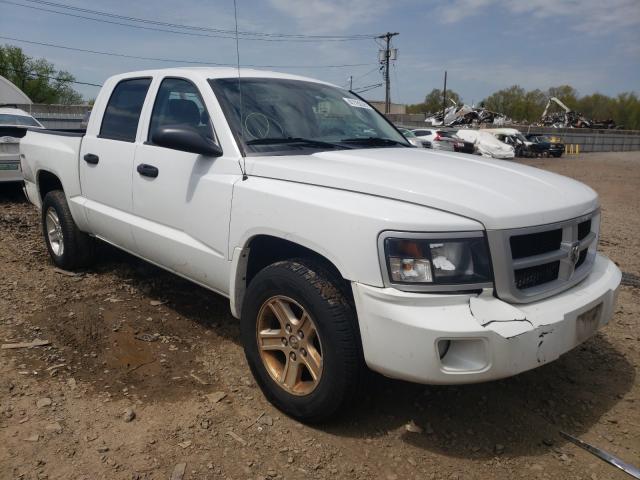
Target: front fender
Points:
(343, 226)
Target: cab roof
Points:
(215, 73)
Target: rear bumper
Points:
(401, 331)
(10, 168)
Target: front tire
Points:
(301, 341)
(68, 247)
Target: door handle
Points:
(91, 158)
(147, 170)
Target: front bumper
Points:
(401, 331)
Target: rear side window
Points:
(120, 121)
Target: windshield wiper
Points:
(299, 140)
(375, 141)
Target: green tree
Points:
(517, 103)
(597, 106)
(627, 110)
(522, 105)
(433, 102)
(38, 78)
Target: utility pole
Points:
(444, 97)
(385, 57)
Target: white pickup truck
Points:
(338, 244)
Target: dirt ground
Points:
(129, 339)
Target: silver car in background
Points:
(413, 140)
(13, 126)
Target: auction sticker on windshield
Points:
(354, 102)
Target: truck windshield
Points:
(281, 116)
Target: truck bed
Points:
(52, 151)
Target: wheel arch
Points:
(47, 181)
(262, 250)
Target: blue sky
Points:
(485, 45)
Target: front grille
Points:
(583, 229)
(536, 262)
(535, 243)
(537, 275)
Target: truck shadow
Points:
(512, 417)
(195, 303)
(11, 193)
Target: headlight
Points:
(440, 262)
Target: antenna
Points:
(243, 166)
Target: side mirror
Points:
(185, 139)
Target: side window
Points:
(179, 103)
(120, 121)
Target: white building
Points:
(9, 93)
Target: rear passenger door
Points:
(182, 200)
(106, 163)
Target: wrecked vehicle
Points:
(513, 137)
(545, 146)
(13, 126)
(336, 242)
(487, 145)
(465, 115)
(568, 118)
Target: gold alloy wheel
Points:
(289, 345)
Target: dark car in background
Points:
(543, 146)
(459, 145)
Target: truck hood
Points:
(496, 193)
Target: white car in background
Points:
(487, 144)
(424, 134)
(13, 126)
(413, 139)
(439, 139)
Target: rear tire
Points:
(68, 247)
(294, 290)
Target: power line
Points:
(360, 77)
(198, 28)
(165, 30)
(171, 60)
(368, 87)
(113, 54)
(35, 74)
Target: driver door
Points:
(182, 200)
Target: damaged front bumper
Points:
(454, 339)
